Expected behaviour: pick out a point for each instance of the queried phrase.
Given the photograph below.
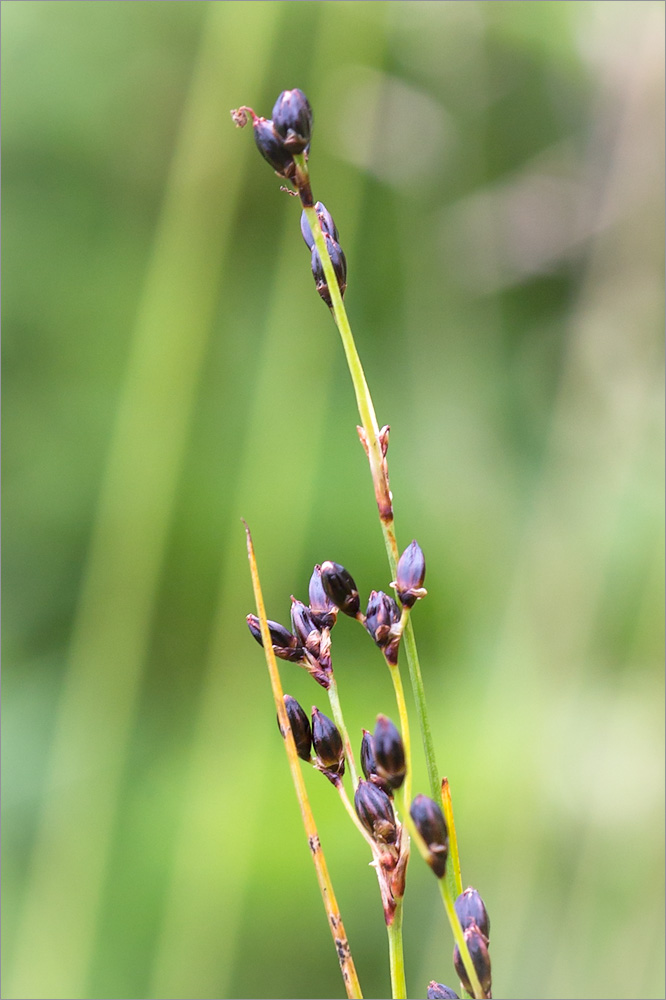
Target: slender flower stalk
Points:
(396, 954)
(345, 959)
(340, 723)
(454, 867)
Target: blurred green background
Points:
(495, 170)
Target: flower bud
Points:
(305, 628)
(323, 609)
(381, 614)
(327, 742)
(292, 117)
(369, 763)
(285, 645)
(410, 575)
(438, 991)
(339, 262)
(300, 727)
(375, 811)
(389, 752)
(340, 588)
(325, 221)
(429, 821)
(471, 910)
(478, 952)
(271, 147)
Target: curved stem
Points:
(354, 818)
(336, 708)
(345, 959)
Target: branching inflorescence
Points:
(383, 810)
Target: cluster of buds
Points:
(284, 136)
(475, 923)
(322, 735)
(335, 252)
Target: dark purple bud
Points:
(381, 614)
(389, 752)
(271, 146)
(471, 910)
(369, 764)
(340, 588)
(327, 742)
(305, 628)
(478, 952)
(292, 117)
(429, 821)
(285, 645)
(410, 575)
(438, 991)
(339, 262)
(300, 727)
(325, 221)
(375, 811)
(324, 611)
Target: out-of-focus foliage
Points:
(495, 170)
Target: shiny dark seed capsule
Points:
(300, 727)
(478, 952)
(271, 146)
(293, 119)
(305, 627)
(438, 991)
(327, 742)
(325, 221)
(375, 811)
(471, 910)
(429, 821)
(285, 645)
(381, 615)
(324, 611)
(410, 575)
(369, 764)
(339, 262)
(389, 752)
(340, 588)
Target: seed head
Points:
(471, 910)
(410, 575)
(369, 763)
(478, 952)
(429, 821)
(375, 811)
(285, 645)
(272, 147)
(324, 611)
(305, 627)
(438, 991)
(327, 743)
(292, 117)
(381, 615)
(300, 727)
(389, 752)
(340, 588)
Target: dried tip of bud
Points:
(375, 811)
(327, 743)
(438, 991)
(340, 588)
(239, 116)
(471, 910)
(429, 821)
(478, 952)
(410, 575)
(389, 752)
(293, 119)
(300, 727)
(285, 645)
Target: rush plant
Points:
(380, 805)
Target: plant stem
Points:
(345, 959)
(336, 708)
(460, 938)
(404, 726)
(396, 956)
(354, 818)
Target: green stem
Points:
(396, 956)
(460, 939)
(354, 818)
(336, 708)
(404, 727)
